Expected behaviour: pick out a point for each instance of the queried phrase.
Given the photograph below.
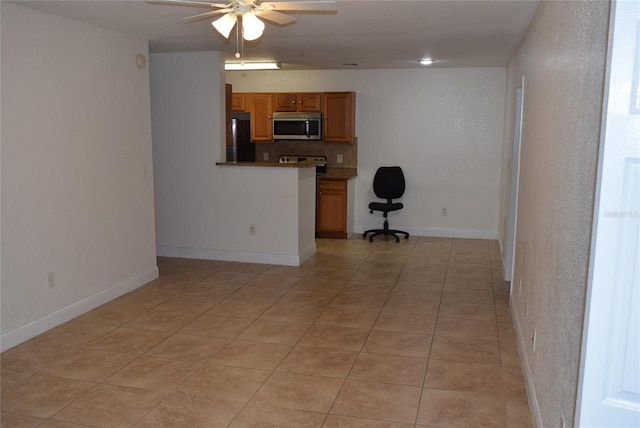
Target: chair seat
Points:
(385, 207)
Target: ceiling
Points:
(363, 34)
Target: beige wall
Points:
(563, 61)
(76, 134)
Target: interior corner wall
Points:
(187, 107)
(563, 58)
(76, 137)
(442, 125)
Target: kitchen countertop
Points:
(339, 174)
(333, 173)
(306, 164)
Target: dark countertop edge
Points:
(271, 164)
(339, 174)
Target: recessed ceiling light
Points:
(426, 61)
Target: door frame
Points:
(512, 221)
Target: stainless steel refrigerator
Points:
(242, 150)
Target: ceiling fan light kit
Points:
(252, 27)
(251, 13)
(225, 24)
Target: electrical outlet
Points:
(265, 156)
(444, 211)
(252, 229)
(533, 341)
(339, 158)
(51, 280)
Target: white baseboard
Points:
(237, 256)
(307, 252)
(437, 232)
(501, 248)
(504, 264)
(32, 329)
(534, 407)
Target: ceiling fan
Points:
(250, 12)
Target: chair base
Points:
(386, 232)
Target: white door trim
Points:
(515, 181)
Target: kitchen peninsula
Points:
(273, 216)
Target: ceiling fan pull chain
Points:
(238, 40)
(242, 47)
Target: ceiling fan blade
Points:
(187, 3)
(205, 15)
(277, 17)
(302, 6)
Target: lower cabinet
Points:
(332, 209)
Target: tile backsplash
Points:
(349, 151)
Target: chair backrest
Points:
(388, 182)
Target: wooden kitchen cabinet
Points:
(302, 102)
(339, 124)
(261, 123)
(238, 102)
(331, 216)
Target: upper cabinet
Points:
(261, 121)
(338, 112)
(339, 124)
(311, 102)
(238, 102)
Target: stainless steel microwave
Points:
(297, 126)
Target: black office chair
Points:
(388, 184)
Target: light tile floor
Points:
(415, 334)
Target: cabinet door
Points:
(332, 209)
(309, 102)
(261, 126)
(339, 117)
(237, 102)
(284, 102)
